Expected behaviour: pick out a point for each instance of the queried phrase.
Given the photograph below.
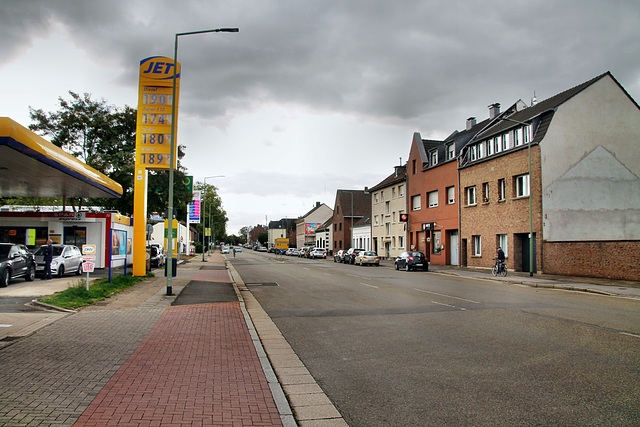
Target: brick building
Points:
(350, 207)
(565, 168)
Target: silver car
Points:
(66, 259)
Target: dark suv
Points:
(411, 261)
(16, 261)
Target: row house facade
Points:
(284, 228)
(324, 235)
(350, 207)
(557, 185)
(388, 214)
(362, 234)
(307, 224)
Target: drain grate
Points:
(263, 284)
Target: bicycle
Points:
(499, 268)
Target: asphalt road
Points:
(420, 348)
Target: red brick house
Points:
(350, 207)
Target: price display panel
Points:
(154, 160)
(154, 127)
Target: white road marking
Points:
(448, 296)
(441, 303)
(5, 326)
(631, 335)
(371, 286)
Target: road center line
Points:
(441, 303)
(448, 296)
(366, 284)
(630, 334)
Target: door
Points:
(76, 236)
(526, 252)
(453, 247)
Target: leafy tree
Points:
(216, 216)
(104, 137)
(263, 237)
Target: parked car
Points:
(225, 249)
(303, 251)
(238, 248)
(339, 256)
(350, 256)
(66, 259)
(156, 257)
(318, 253)
(289, 252)
(411, 261)
(295, 252)
(367, 258)
(16, 261)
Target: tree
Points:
(263, 237)
(211, 206)
(104, 137)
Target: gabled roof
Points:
(363, 222)
(315, 208)
(361, 202)
(399, 175)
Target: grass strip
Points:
(99, 290)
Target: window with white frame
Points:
(415, 202)
(394, 241)
(506, 143)
(433, 157)
(393, 192)
(451, 151)
(376, 222)
(474, 152)
(400, 190)
(375, 197)
(471, 195)
(437, 242)
(501, 189)
(401, 241)
(477, 246)
(522, 185)
(393, 217)
(382, 195)
(433, 198)
(387, 207)
(502, 242)
(481, 150)
(491, 146)
(451, 195)
(517, 137)
(388, 227)
(485, 192)
(526, 134)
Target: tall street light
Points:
(204, 212)
(530, 193)
(172, 154)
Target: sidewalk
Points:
(142, 359)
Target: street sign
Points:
(88, 257)
(87, 267)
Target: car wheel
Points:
(31, 274)
(4, 278)
(360, 263)
(79, 270)
(61, 271)
(406, 267)
(396, 265)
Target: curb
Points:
(52, 307)
(288, 378)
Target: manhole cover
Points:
(263, 284)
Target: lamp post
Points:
(172, 153)
(204, 212)
(530, 196)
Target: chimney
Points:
(317, 204)
(494, 110)
(471, 122)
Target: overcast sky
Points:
(312, 96)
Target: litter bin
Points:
(174, 267)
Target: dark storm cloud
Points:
(398, 61)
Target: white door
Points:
(453, 247)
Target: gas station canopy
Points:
(31, 166)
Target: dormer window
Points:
(433, 157)
(451, 151)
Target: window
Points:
(335, 227)
(388, 226)
(375, 198)
(393, 215)
(401, 242)
(485, 192)
(340, 226)
(526, 134)
(415, 202)
(477, 246)
(474, 152)
(393, 193)
(502, 242)
(522, 185)
(388, 207)
(491, 146)
(433, 157)
(451, 151)
(517, 137)
(451, 195)
(382, 195)
(481, 150)
(471, 195)
(433, 199)
(501, 189)
(415, 168)
(437, 242)
(400, 190)
(375, 220)
(505, 142)
(394, 241)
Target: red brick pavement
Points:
(196, 367)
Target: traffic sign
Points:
(87, 267)
(88, 257)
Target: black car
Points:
(16, 261)
(411, 261)
(350, 256)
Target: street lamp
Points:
(204, 212)
(172, 153)
(530, 196)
